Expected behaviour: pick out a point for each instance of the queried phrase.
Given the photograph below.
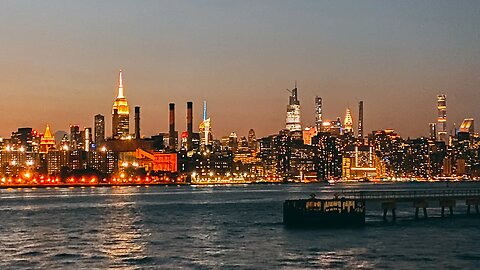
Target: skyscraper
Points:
(293, 122)
(442, 118)
(75, 137)
(252, 140)
(467, 126)
(348, 122)
(99, 129)
(433, 130)
(360, 120)
(120, 122)
(47, 141)
(318, 114)
(205, 127)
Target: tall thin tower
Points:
(442, 118)
(318, 114)
(360, 120)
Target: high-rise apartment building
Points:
(99, 125)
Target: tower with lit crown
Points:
(120, 113)
(47, 141)
(348, 122)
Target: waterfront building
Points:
(418, 158)
(328, 160)
(282, 150)
(120, 113)
(358, 162)
(267, 156)
(390, 149)
(302, 161)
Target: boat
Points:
(324, 213)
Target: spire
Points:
(204, 110)
(120, 85)
(48, 133)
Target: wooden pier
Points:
(420, 198)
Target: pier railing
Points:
(411, 195)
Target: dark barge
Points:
(324, 213)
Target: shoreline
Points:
(112, 185)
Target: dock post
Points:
(450, 203)
(476, 208)
(389, 205)
(468, 209)
(470, 202)
(420, 203)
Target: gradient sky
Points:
(60, 59)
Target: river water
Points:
(220, 227)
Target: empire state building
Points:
(120, 113)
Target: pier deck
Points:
(446, 198)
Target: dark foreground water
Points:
(226, 227)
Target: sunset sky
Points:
(60, 61)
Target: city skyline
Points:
(60, 64)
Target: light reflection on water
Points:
(214, 227)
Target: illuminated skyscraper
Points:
(205, 127)
(293, 122)
(442, 118)
(348, 122)
(467, 126)
(47, 142)
(99, 129)
(120, 113)
(318, 114)
(87, 139)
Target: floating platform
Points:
(324, 213)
